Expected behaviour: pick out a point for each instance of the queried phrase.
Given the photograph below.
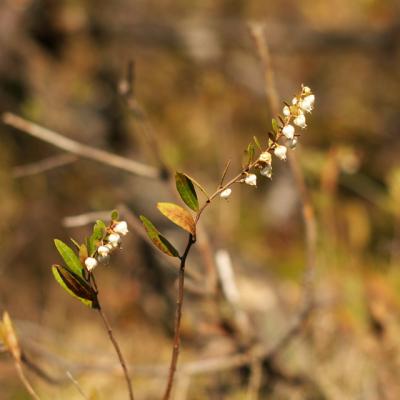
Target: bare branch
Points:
(44, 165)
(80, 149)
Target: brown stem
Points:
(178, 317)
(118, 351)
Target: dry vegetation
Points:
(198, 97)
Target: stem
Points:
(178, 317)
(25, 381)
(118, 351)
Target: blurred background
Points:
(197, 99)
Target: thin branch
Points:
(85, 218)
(257, 32)
(178, 317)
(118, 351)
(25, 381)
(77, 385)
(79, 149)
(44, 165)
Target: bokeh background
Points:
(200, 88)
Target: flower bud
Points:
(286, 111)
(226, 193)
(251, 180)
(280, 152)
(288, 131)
(265, 157)
(91, 263)
(306, 90)
(267, 171)
(294, 101)
(300, 121)
(114, 239)
(121, 228)
(103, 250)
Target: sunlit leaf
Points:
(248, 155)
(115, 215)
(99, 231)
(275, 125)
(187, 191)
(159, 240)
(257, 143)
(196, 183)
(179, 216)
(77, 245)
(69, 257)
(75, 286)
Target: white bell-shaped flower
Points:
(267, 171)
(265, 157)
(225, 193)
(300, 121)
(114, 239)
(251, 180)
(91, 263)
(121, 228)
(307, 104)
(288, 131)
(103, 250)
(280, 152)
(286, 111)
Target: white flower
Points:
(103, 250)
(251, 180)
(288, 131)
(280, 152)
(121, 228)
(265, 157)
(286, 111)
(293, 143)
(294, 101)
(307, 103)
(91, 263)
(226, 193)
(306, 90)
(300, 121)
(267, 171)
(114, 239)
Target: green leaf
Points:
(99, 231)
(115, 215)
(248, 155)
(275, 125)
(197, 184)
(179, 216)
(159, 240)
(75, 286)
(77, 245)
(69, 257)
(256, 141)
(187, 191)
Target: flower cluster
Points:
(108, 244)
(285, 135)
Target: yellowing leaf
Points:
(9, 337)
(179, 216)
(158, 240)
